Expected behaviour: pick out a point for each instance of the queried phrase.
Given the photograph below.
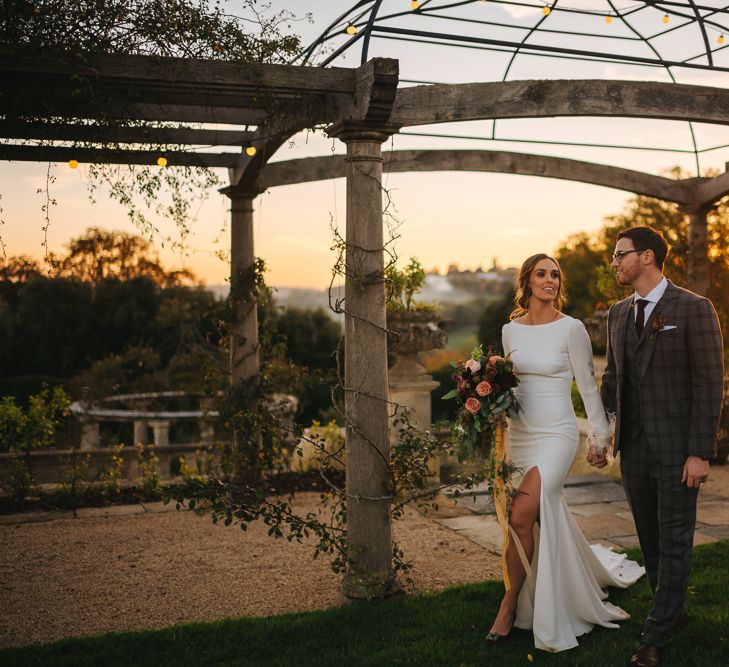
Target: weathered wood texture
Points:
(375, 87)
(109, 134)
(182, 89)
(713, 189)
(443, 103)
(368, 481)
(332, 166)
(698, 266)
(244, 353)
(108, 156)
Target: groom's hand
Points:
(695, 472)
(597, 459)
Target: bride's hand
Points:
(597, 458)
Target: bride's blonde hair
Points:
(521, 300)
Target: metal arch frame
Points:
(692, 15)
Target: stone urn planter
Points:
(412, 332)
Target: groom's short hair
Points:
(647, 238)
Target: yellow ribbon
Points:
(499, 494)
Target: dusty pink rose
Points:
(494, 358)
(473, 405)
(483, 388)
(473, 366)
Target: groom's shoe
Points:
(645, 656)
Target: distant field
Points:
(463, 338)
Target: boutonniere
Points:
(657, 326)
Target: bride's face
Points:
(544, 280)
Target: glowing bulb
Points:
(720, 39)
(351, 30)
(608, 19)
(161, 161)
(546, 11)
(73, 164)
(250, 151)
(665, 18)
(415, 4)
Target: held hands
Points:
(695, 472)
(597, 456)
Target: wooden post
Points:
(368, 481)
(698, 268)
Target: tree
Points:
(99, 254)
(494, 317)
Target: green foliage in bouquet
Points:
(485, 395)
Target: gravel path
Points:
(150, 569)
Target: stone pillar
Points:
(141, 432)
(410, 384)
(244, 353)
(368, 480)
(161, 430)
(90, 437)
(698, 269)
(244, 361)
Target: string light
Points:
(608, 19)
(414, 4)
(73, 164)
(351, 30)
(250, 151)
(720, 39)
(666, 19)
(546, 11)
(161, 161)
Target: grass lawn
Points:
(447, 628)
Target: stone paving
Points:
(599, 506)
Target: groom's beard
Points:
(626, 277)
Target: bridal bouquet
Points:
(485, 393)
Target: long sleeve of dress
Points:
(580, 353)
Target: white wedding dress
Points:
(563, 596)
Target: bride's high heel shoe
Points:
(493, 638)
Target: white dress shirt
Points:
(653, 297)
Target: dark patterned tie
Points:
(640, 315)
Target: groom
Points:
(663, 380)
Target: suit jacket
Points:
(681, 374)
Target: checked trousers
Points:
(664, 511)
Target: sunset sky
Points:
(445, 218)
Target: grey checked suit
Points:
(666, 390)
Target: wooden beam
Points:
(109, 156)
(444, 103)
(712, 190)
(147, 87)
(124, 134)
(332, 166)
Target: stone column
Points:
(90, 437)
(244, 361)
(141, 429)
(368, 480)
(161, 430)
(244, 353)
(698, 269)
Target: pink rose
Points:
(473, 366)
(483, 388)
(473, 405)
(494, 358)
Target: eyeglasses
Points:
(619, 254)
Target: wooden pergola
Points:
(362, 107)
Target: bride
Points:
(557, 579)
